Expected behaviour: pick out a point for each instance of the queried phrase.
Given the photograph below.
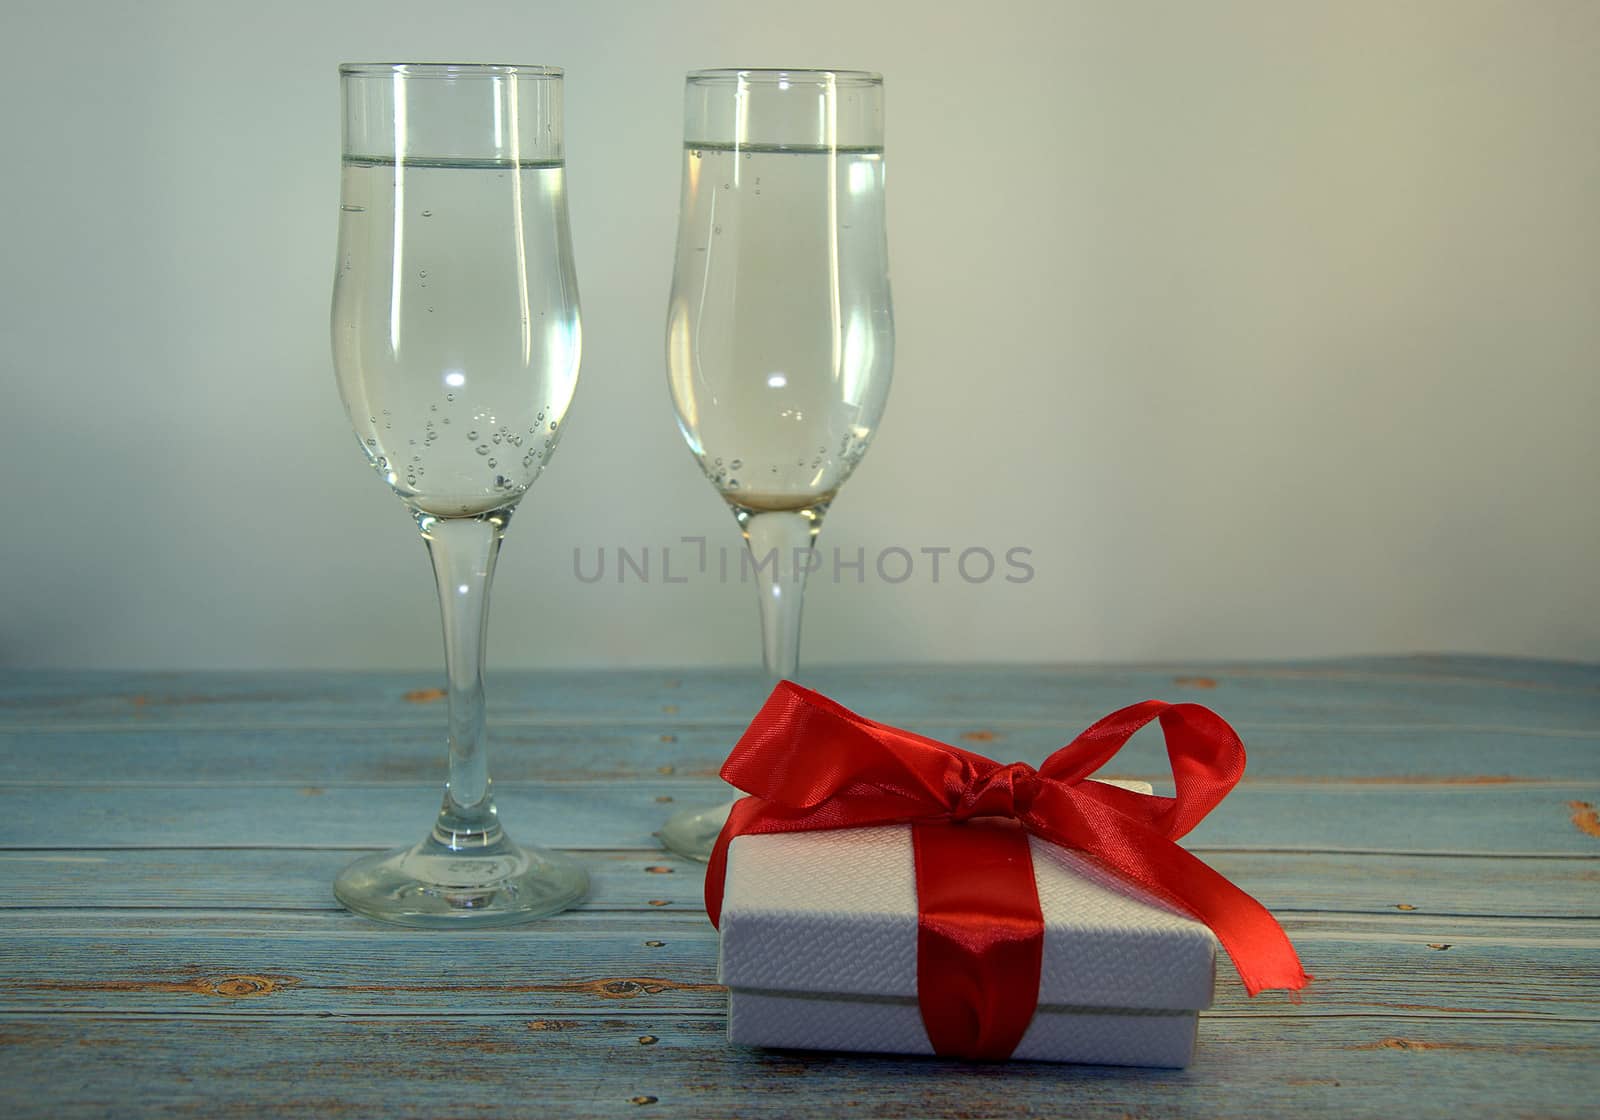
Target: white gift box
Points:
(819, 951)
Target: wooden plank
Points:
(1465, 819)
(591, 752)
(297, 879)
(603, 1066)
(583, 964)
(1323, 695)
(1384, 928)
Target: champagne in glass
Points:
(780, 331)
(456, 339)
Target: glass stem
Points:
(463, 551)
(782, 553)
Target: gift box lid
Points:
(836, 912)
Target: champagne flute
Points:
(780, 331)
(456, 339)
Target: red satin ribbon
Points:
(811, 764)
(980, 937)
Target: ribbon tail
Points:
(1261, 952)
(745, 812)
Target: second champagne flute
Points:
(780, 331)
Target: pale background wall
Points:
(1270, 327)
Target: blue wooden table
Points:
(1426, 829)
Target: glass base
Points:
(692, 833)
(435, 886)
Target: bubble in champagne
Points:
(483, 449)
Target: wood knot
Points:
(425, 695)
(979, 736)
(642, 1098)
(663, 799)
(660, 869)
(648, 1040)
(241, 987)
(553, 1025)
(654, 944)
(1195, 682)
(659, 902)
(1584, 817)
(1404, 906)
(1400, 1044)
(631, 987)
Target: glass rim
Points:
(447, 70)
(803, 74)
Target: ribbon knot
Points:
(1006, 791)
(809, 763)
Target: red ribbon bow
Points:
(811, 764)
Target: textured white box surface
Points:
(819, 950)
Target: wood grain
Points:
(632, 879)
(1488, 819)
(582, 965)
(1525, 696)
(456, 1066)
(414, 752)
